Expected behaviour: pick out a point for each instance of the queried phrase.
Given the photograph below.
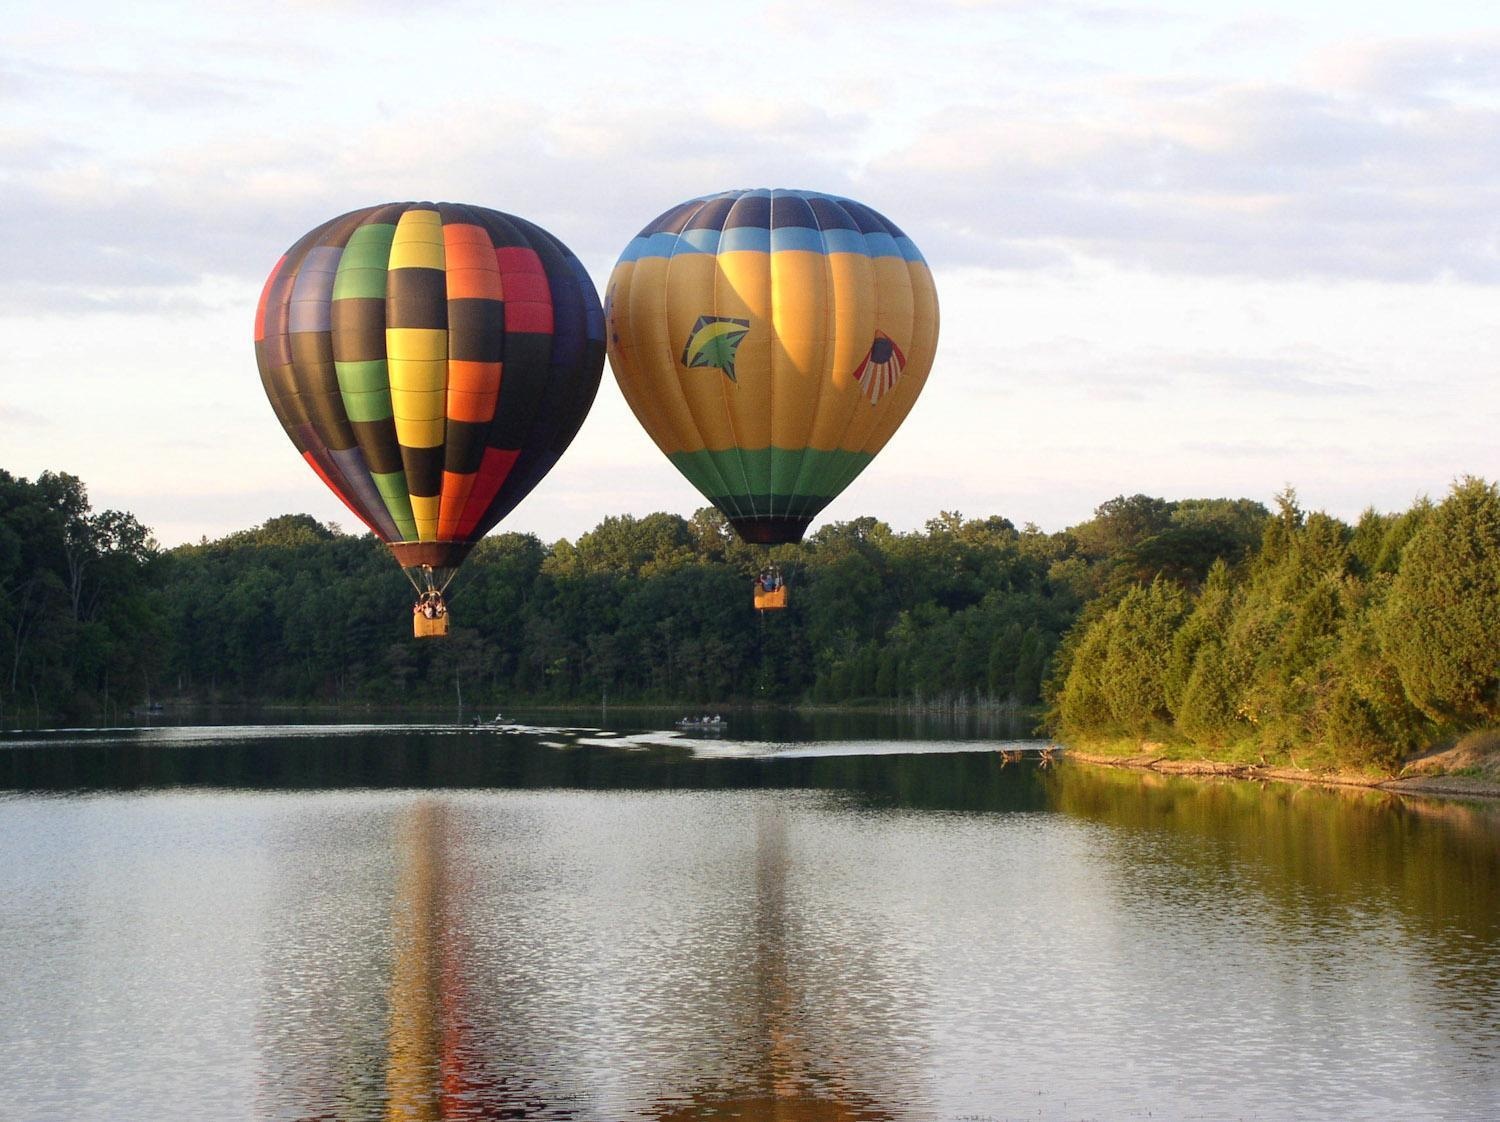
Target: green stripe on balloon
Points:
(363, 377)
(772, 475)
(786, 466)
(392, 487)
(368, 405)
(362, 268)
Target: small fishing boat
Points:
(704, 722)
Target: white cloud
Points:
(15, 415)
(1176, 173)
(1412, 70)
(1231, 179)
(1163, 268)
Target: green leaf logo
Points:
(714, 341)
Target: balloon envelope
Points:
(431, 362)
(770, 342)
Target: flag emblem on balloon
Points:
(881, 368)
(714, 341)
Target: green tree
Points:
(1134, 669)
(1441, 623)
(1081, 708)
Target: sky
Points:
(1182, 254)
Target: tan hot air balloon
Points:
(771, 342)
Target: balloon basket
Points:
(770, 601)
(429, 628)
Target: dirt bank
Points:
(1469, 768)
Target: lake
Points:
(819, 919)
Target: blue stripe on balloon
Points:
(753, 239)
(632, 251)
(351, 461)
(698, 241)
(909, 250)
(657, 245)
(837, 240)
(796, 237)
(311, 306)
(758, 239)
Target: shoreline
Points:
(1470, 786)
(1443, 786)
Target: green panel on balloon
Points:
(362, 268)
(392, 487)
(775, 480)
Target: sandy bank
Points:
(1429, 775)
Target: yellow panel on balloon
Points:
(853, 278)
(919, 359)
(418, 243)
(652, 342)
(708, 340)
(424, 510)
(742, 292)
(880, 373)
(626, 360)
(799, 354)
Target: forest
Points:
(1213, 622)
(1330, 645)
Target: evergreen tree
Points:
(1441, 623)
(1133, 672)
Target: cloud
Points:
(15, 415)
(1411, 69)
(1210, 178)
(1376, 162)
(159, 87)
(94, 232)
(25, 151)
(1248, 34)
(1243, 449)
(1151, 373)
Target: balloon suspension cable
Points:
(425, 579)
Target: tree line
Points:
(79, 625)
(653, 609)
(1330, 645)
(1214, 622)
(650, 609)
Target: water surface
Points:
(425, 923)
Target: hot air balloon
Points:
(430, 362)
(770, 342)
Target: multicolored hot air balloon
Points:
(431, 362)
(771, 342)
